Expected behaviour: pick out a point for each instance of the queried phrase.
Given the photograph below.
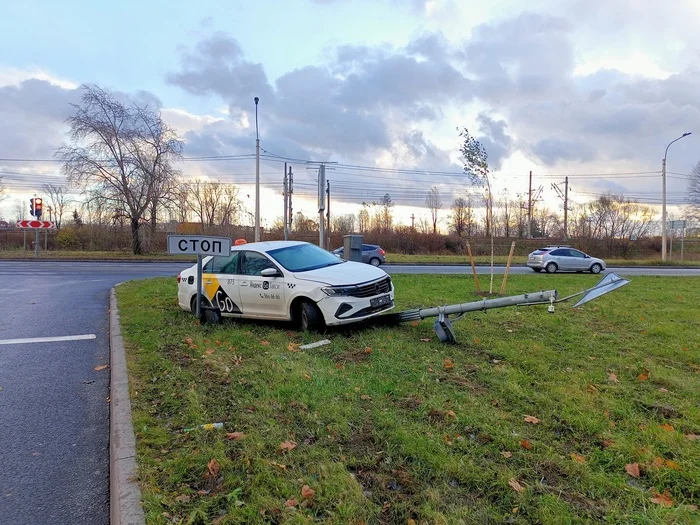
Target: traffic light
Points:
(37, 207)
(31, 207)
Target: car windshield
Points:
(304, 257)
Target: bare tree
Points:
(19, 208)
(458, 218)
(124, 152)
(693, 208)
(434, 204)
(344, 224)
(2, 191)
(424, 226)
(303, 224)
(58, 198)
(363, 219)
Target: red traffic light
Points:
(38, 204)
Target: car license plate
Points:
(380, 301)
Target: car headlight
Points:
(339, 291)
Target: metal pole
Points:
(529, 209)
(682, 239)
(663, 197)
(663, 208)
(199, 284)
(566, 207)
(487, 304)
(25, 240)
(46, 241)
(670, 251)
(257, 175)
(36, 242)
(328, 212)
(286, 200)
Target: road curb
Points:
(124, 491)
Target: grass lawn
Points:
(530, 418)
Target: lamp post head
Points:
(687, 133)
(256, 99)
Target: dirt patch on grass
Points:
(463, 382)
(356, 355)
(584, 505)
(408, 403)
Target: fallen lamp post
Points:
(443, 324)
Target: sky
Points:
(593, 90)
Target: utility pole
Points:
(529, 208)
(321, 203)
(286, 203)
(257, 174)
(328, 212)
(565, 197)
(413, 218)
(290, 191)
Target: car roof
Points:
(266, 246)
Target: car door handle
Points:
(208, 281)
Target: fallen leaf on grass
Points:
(101, 367)
(293, 347)
(214, 468)
(415, 323)
(368, 350)
(449, 365)
(644, 375)
(365, 397)
(410, 521)
(692, 508)
(506, 454)
(189, 340)
(525, 444)
(235, 436)
(666, 427)
(612, 378)
(517, 487)
(182, 498)
(632, 469)
(662, 499)
(658, 462)
(577, 458)
(663, 390)
(307, 492)
(592, 388)
(672, 465)
(450, 413)
(307, 377)
(692, 437)
(209, 351)
(531, 419)
(291, 502)
(425, 340)
(264, 343)
(286, 446)
(607, 443)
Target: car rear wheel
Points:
(374, 261)
(309, 316)
(596, 268)
(551, 267)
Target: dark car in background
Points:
(563, 258)
(371, 254)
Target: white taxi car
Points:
(288, 280)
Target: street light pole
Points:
(257, 174)
(663, 197)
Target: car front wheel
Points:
(596, 268)
(551, 268)
(310, 317)
(374, 261)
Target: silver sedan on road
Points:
(565, 259)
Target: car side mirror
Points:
(270, 272)
(587, 256)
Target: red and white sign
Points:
(50, 225)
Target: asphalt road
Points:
(54, 409)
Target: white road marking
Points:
(47, 339)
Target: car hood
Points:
(347, 273)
